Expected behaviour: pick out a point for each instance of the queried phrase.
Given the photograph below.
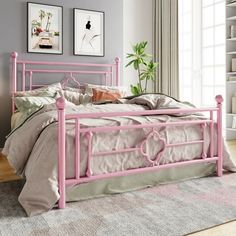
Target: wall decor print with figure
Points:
(44, 28)
(88, 32)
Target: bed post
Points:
(219, 101)
(117, 60)
(14, 56)
(61, 151)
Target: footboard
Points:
(154, 163)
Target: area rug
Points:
(171, 209)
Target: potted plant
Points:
(144, 65)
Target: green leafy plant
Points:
(144, 65)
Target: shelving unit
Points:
(231, 39)
(231, 4)
(230, 53)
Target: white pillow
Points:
(46, 91)
(76, 97)
(32, 103)
(78, 90)
(121, 89)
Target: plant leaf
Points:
(131, 62)
(136, 64)
(128, 55)
(134, 90)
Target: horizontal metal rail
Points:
(139, 113)
(137, 171)
(69, 71)
(152, 125)
(64, 63)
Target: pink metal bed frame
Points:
(109, 73)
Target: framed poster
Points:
(44, 28)
(88, 32)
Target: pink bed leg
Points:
(61, 151)
(117, 60)
(14, 56)
(219, 100)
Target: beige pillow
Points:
(76, 97)
(78, 90)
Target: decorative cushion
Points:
(120, 89)
(105, 95)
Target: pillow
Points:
(46, 91)
(32, 103)
(78, 90)
(120, 89)
(104, 95)
(76, 97)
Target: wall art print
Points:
(88, 32)
(45, 29)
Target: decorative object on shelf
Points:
(233, 64)
(234, 122)
(232, 31)
(88, 32)
(44, 28)
(144, 66)
(234, 104)
(232, 78)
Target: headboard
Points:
(27, 69)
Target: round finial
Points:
(14, 54)
(60, 103)
(117, 59)
(219, 99)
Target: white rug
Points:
(173, 209)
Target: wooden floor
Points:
(6, 171)
(227, 229)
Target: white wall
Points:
(138, 21)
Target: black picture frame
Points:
(39, 39)
(82, 19)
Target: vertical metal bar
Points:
(105, 74)
(14, 56)
(219, 101)
(111, 76)
(31, 75)
(204, 155)
(77, 148)
(117, 60)
(89, 136)
(23, 77)
(61, 151)
(211, 134)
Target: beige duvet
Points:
(32, 148)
